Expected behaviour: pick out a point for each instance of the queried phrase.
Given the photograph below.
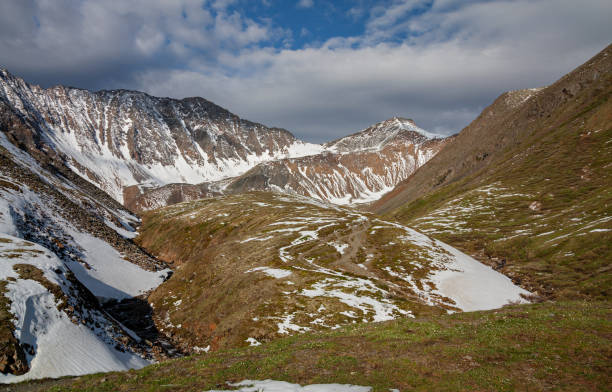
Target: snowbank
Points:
(282, 386)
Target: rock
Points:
(535, 206)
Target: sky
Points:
(321, 69)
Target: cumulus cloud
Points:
(453, 61)
(110, 41)
(439, 63)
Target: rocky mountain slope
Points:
(527, 186)
(119, 138)
(253, 267)
(355, 169)
(147, 152)
(67, 261)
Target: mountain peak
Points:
(401, 120)
(147, 139)
(380, 134)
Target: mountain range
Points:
(147, 152)
(76, 164)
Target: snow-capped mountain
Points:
(359, 168)
(73, 279)
(120, 138)
(128, 141)
(379, 136)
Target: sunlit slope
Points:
(252, 267)
(540, 211)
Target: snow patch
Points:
(61, 347)
(273, 272)
(283, 386)
(253, 342)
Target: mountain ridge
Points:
(145, 138)
(150, 143)
(357, 168)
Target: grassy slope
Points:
(564, 346)
(560, 166)
(216, 299)
(561, 248)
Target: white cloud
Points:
(355, 12)
(440, 66)
(92, 38)
(441, 77)
(305, 3)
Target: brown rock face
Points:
(12, 358)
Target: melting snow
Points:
(62, 347)
(273, 272)
(339, 247)
(282, 386)
(253, 342)
(382, 310)
(125, 233)
(287, 325)
(473, 285)
(111, 276)
(257, 239)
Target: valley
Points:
(171, 244)
(271, 265)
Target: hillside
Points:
(67, 257)
(358, 168)
(253, 267)
(526, 187)
(543, 347)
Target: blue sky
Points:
(308, 22)
(321, 69)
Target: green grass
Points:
(211, 243)
(549, 346)
(553, 251)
